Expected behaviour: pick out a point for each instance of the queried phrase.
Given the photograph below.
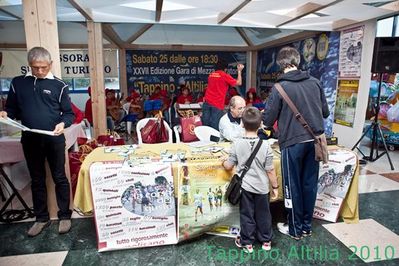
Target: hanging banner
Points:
(74, 63)
(169, 69)
(134, 207)
(319, 56)
(345, 106)
(334, 181)
(350, 52)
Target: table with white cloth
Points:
(13, 162)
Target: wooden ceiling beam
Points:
(232, 13)
(109, 32)
(394, 6)
(305, 10)
(158, 10)
(244, 36)
(138, 33)
(343, 23)
(81, 10)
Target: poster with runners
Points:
(334, 181)
(201, 206)
(134, 207)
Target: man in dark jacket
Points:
(299, 169)
(40, 100)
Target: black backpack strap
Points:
(250, 159)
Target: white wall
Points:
(348, 136)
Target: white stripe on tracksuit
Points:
(285, 154)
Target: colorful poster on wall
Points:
(169, 69)
(345, 106)
(201, 205)
(74, 63)
(334, 181)
(134, 207)
(350, 52)
(319, 56)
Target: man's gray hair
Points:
(234, 100)
(39, 54)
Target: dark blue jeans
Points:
(211, 116)
(255, 218)
(37, 148)
(300, 174)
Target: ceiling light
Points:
(281, 12)
(311, 15)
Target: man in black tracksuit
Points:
(41, 101)
(299, 168)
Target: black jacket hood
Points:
(294, 76)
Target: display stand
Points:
(376, 134)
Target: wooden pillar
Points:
(254, 61)
(122, 72)
(40, 20)
(41, 29)
(252, 57)
(96, 66)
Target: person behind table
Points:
(252, 98)
(218, 83)
(113, 107)
(198, 203)
(185, 97)
(40, 100)
(299, 169)
(89, 112)
(255, 217)
(230, 124)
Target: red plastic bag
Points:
(154, 132)
(110, 140)
(188, 124)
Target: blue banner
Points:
(319, 56)
(169, 69)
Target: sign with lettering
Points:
(74, 63)
(134, 206)
(169, 69)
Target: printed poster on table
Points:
(350, 52)
(345, 106)
(202, 206)
(334, 181)
(134, 207)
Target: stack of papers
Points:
(9, 121)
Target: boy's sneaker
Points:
(238, 242)
(267, 246)
(283, 228)
(307, 233)
(248, 249)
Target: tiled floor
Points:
(374, 240)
